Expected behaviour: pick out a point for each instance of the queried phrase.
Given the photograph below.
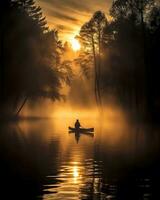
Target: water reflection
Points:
(25, 161)
(41, 160)
(75, 180)
(78, 135)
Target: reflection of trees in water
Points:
(135, 169)
(94, 185)
(128, 185)
(27, 158)
(25, 161)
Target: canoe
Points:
(81, 129)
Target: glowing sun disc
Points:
(75, 44)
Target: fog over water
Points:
(40, 158)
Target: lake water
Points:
(41, 160)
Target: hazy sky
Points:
(69, 15)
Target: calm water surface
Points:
(41, 160)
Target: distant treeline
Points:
(125, 53)
(30, 57)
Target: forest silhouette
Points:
(29, 57)
(124, 53)
(113, 79)
(120, 57)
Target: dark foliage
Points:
(29, 53)
(129, 61)
(133, 61)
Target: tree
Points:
(91, 37)
(29, 56)
(132, 62)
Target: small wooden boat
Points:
(81, 130)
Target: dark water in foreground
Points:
(41, 160)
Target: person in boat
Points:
(77, 124)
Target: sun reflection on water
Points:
(75, 173)
(90, 168)
(79, 173)
(75, 180)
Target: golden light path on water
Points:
(77, 161)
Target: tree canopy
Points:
(128, 60)
(30, 54)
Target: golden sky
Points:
(69, 15)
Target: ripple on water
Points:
(76, 180)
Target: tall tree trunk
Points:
(95, 71)
(99, 67)
(145, 72)
(22, 105)
(2, 64)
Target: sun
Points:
(75, 44)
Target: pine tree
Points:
(92, 36)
